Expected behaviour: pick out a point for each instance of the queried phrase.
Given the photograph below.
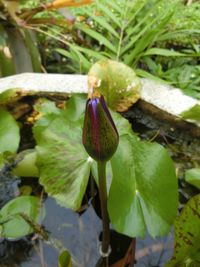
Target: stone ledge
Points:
(163, 96)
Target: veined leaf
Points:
(143, 193)
(187, 246)
(120, 91)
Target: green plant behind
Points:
(122, 30)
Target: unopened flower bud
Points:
(100, 136)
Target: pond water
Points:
(79, 233)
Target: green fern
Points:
(119, 30)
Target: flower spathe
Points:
(100, 136)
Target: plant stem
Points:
(104, 211)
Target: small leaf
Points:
(26, 166)
(64, 259)
(162, 52)
(120, 91)
(187, 235)
(9, 132)
(14, 226)
(192, 177)
(143, 192)
(192, 114)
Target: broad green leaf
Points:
(9, 132)
(192, 176)
(48, 111)
(192, 114)
(122, 124)
(64, 259)
(14, 226)
(187, 235)
(63, 163)
(75, 107)
(144, 191)
(120, 91)
(26, 164)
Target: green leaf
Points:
(75, 107)
(97, 36)
(26, 164)
(48, 112)
(187, 235)
(144, 191)
(7, 65)
(192, 176)
(14, 226)
(108, 13)
(33, 51)
(120, 91)
(62, 162)
(192, 114)
(103, 23)
(9, 96)
(64, 259)
(9, 132)
(162, 52)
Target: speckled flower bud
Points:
(100, 136)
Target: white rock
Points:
(163, 96)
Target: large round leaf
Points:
(63, 163)
(144, 192)
(9, 132)
(14, 225)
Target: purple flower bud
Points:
(100, 136)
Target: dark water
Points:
(80, 233)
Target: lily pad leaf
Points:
(75, 107)
(63, 163)
(26, 164)
(187, 235)
(144, 190)
(120, 91)
(192, 176)
(192, 114)
(64, 259)
(9, 132)
(14, 226)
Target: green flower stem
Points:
(104, 211)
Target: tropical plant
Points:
(123, 30)
(18, 44)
